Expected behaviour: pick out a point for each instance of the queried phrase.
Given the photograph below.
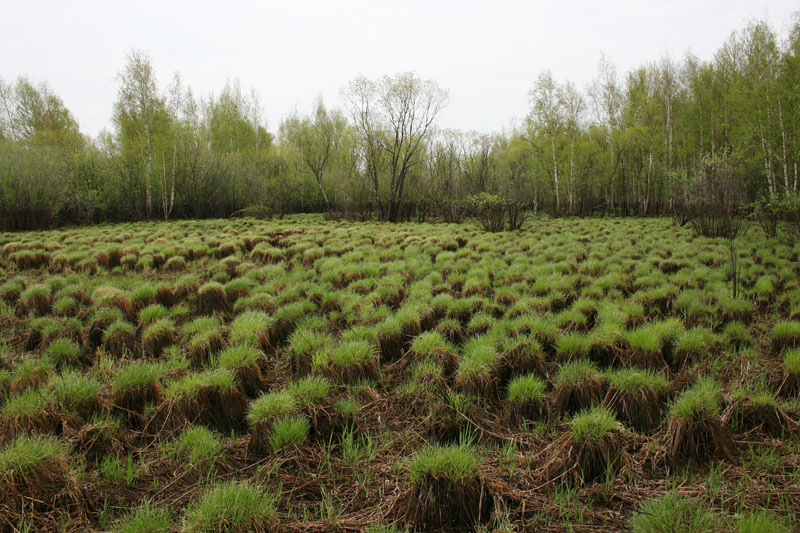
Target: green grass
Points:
(697, 340)
(573, 346)
(526, 389)
(24, 406)
(249, 328)
(152, 313)
(145, 518)
(576, 372)
(634, 380)
(761, 522)
(289, 431)
(73, 391)
(791, 361)
(700, 400)
(199, 445)
(231, 506)
(189, 385)
(593, 424)
(456, 462)
(136, 375)
(63, 351)
(27, 452)
(235, 357)
(480, 356)
(786, 332)
(271, 406)
(672, 512)
(353, 353)
(430, 344)
(117, 328)
(309, 390)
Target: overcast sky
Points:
(486, 53)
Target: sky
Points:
(486, 54)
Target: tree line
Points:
(640, 143)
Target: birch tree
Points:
(135, 113)
(547, 115)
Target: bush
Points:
(494, 212)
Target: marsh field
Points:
(311, 375)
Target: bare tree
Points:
(394, 117)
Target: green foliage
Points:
(633, 380)
(73, 391)
(574, 373)
(353, 353)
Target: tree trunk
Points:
(147, 177)
(783, 140)
(555, 170)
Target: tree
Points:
(33, 114)
(318, 140)
(394, 117)
(547, 115)
(136, 114)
